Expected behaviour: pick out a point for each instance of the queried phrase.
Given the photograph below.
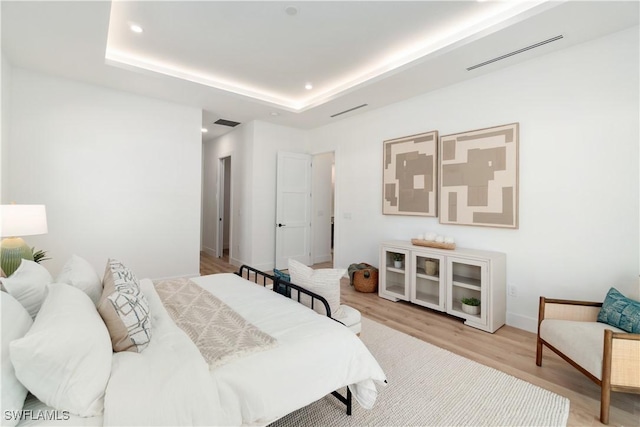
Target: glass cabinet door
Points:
(394, 277)
(466, 282)
(428, 285)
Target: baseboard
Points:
(235, 262)
(522, 322)
(322, 258)
(209, 251)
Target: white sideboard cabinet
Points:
(440, 278)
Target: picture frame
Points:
(410, 175)
(478, 175)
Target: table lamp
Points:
(17, 221)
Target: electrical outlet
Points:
(513, 291)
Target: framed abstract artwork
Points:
(479, 177)
(410, 175)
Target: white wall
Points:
(322, 207)
(579, 177)
(5, 94)
(118, 173)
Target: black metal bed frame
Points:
(284, 288)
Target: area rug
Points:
(429, 386)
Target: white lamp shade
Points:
(22, 220)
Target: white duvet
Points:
(315, 356)
(169, 383)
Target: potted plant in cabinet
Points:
(471, 305)
(397, 259)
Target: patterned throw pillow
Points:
(324, 282)
(124, 309)
(620, 311)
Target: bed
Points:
(170, 383)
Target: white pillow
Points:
(324, 282)
(28, 284)
(65, 359)
(80, 274)
(15, 324)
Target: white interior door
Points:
(293, 209)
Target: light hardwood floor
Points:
(509, 349)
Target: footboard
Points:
(281, 286)
(284, 288)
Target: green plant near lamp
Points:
(17, 221)
(39, 255)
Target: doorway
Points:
(223, 232)
(323, 208)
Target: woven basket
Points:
(366, 279)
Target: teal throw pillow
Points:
(621, 312)
(281, 275)
(282, 289)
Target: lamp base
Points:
(12, 251)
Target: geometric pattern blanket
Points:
(218, 331)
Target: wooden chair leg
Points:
(538, 340)
(605, 401)
(605, 383)
(539, 352)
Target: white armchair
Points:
(607, 355)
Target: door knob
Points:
(280, 225)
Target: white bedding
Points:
(315, 355)
(167, 384)
(36, 413)
(170, 383)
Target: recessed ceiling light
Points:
(136, 28)
(291, 10)
(308, 86)
(422, 48)
(204, 130)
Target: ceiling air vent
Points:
(515, 52)
(349, 110)
(224, 122)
